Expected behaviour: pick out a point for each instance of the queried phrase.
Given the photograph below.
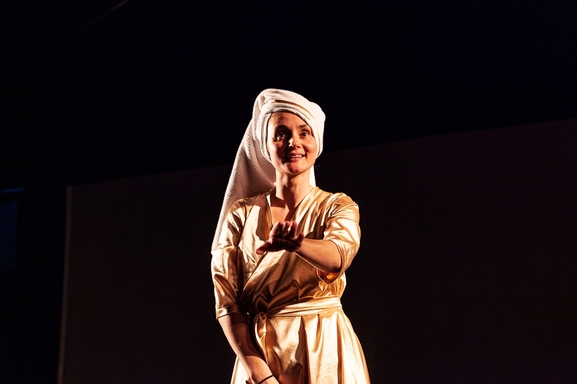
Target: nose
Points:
(293, 141)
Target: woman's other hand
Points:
(283, 236)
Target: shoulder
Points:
(240, 211)
(334, 197)
(335, 201)
(247, 203)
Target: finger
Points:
(285, 229)
(276, 229)
(300, 237)
(292, 230)
(288, 228)
(263, 249)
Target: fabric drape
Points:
(295, 309)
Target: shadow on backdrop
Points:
(466, 271)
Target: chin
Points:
(297, 171)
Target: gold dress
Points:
(295, 309)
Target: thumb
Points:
(263, 248)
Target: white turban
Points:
(252, 172)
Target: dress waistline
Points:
(310, 307)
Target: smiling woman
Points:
(280, 252)
(291, 145)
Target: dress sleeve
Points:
(225, 264)
(342, 228)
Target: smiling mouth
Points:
(292, 157)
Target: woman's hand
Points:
(322, 254)
(283, 235)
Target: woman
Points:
(280, 251)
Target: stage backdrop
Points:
(466, 272)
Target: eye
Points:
(280, 135)
(305, 133)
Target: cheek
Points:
(272, 149)
(312, 147)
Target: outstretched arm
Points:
(322, 254)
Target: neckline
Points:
(296, 209)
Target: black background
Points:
(100, 90)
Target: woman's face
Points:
(290, 143)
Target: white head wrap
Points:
(252, 171)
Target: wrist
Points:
(259, 371)
(262, 381)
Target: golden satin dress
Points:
(293, 307)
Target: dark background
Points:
(97, 91)
(466, 271)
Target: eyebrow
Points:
(284, 126)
